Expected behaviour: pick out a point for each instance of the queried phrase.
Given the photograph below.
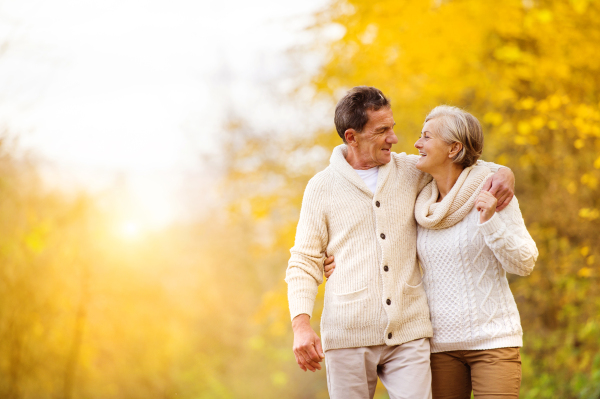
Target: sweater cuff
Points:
(491, 226)
(301, 306)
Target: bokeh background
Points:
(154, 154)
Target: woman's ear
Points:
(455, 148)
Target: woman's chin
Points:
(420, 165)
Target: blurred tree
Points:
(529, 71)
(199, 310)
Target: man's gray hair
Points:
(351, 110)
(455, 125)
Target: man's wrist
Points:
(301, 320)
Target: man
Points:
(360, 209)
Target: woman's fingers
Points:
(485, 202)
(329, 266)
(329, 272)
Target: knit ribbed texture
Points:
(465, 268)
(340, 216)
(455, 205)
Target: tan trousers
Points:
(490, 373)
(404, 371)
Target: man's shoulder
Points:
(405, 162)
(404, 158)
(320, 179)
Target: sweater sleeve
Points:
(421, 178)
(305, 267)
(494, 167)
(506, 235)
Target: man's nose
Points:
(392, 138)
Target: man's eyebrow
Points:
(382, 128)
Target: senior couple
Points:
(417, 249)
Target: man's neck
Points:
(358, 162)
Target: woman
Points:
(465, 249)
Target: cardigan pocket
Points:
(351, 296)
(347, 310)
(414, 289)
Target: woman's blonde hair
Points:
(458, 126)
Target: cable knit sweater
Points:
(376, 295)
(465, 267)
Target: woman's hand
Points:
(486, 205)
(502, 185)
(329, 266)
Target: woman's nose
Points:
(418, 143)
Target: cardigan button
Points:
(377, 204)
(389, 301)
(385, 268)
(382, 236)
(390, 336)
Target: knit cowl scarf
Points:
(434, 215)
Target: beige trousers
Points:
(403, 369)
(490, 374)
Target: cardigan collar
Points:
(339, 163)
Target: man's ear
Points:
(350, 135)
(455, 149)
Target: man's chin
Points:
(385, 159)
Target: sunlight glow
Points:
(130, 230)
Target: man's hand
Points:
(502, 186)
(307, 344)
(329, 266)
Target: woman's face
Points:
(435, 153)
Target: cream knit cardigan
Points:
(465, 265)
(375, 295)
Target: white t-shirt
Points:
(369, 176)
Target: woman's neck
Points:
(445, 178)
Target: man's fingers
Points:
(299, 362)
(501, 201)
(308, 362)
(505, 202)
(315, 358)
(493, 189)
(304, 361)
(319, 349)
(328, 260)
(487, 185)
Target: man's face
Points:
(376, 140)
